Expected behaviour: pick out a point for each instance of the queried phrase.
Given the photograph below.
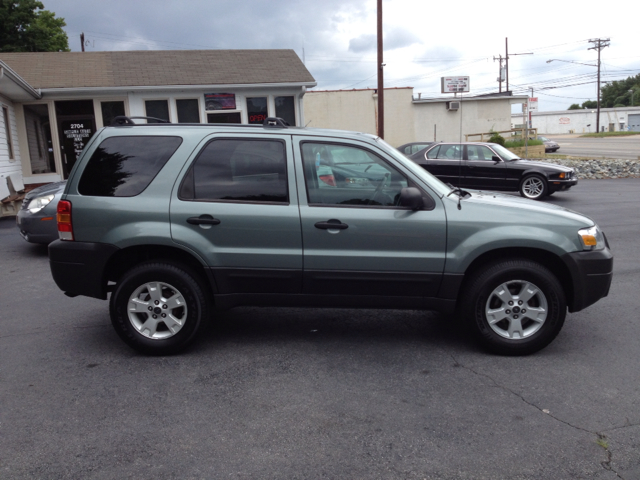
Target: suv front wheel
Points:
(515, 307)
(158, 308)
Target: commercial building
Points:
(583, 121)
(410, 117)
(52, 103)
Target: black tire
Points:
(179, 308)
(534, 187)
(488, 293)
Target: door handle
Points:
(332, 224)
(203, 220)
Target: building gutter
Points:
(157, 88)
(6, 70)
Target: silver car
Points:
(36, 219)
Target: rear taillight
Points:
(65, 228)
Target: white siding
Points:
(8, 166)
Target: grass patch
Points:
(603, 443)
(609, 134)
(520, 143)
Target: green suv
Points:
(178, 221)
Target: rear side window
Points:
(235, 170)
(125, 166)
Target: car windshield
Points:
(506, 155)
(440, 187)
(544, 139)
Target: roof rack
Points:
(122, 120)
(275, 122)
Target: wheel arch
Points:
(548, 259)
(126, 258)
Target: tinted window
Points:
(286, 109)
(238, 170)
(188, 111)
(450, 152)
(125, 166)
(479, 152)
(345, 175)
(157, 109)
(433, 153)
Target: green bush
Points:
(520, 143)
(497, 138)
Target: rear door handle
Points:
(203, 220)
(332, 224)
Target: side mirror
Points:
(496, 158)
(411, 197)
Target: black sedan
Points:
(414, 147)
(36, 220)
(489, 166)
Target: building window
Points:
(111, 110)
(257, 110)
(7, 132)
(285, 109)
(39, 138)
(157, 109)
(188, 110)
(230, 117)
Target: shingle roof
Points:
(157, 68)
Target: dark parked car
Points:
(489, 166)
(549, 145)
(414, 147)
(36, 219)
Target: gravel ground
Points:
(594, 169)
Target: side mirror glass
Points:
(411, 197)
(496, 158)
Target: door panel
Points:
(377, 247)
(237, 208)
(481, 171)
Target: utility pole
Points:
(506, 46)
(82, 40)
(380, 75)
(599, 44)
(500, 78)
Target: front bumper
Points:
(78, 268)
(37, 228)
(560, 185)
(591, 273)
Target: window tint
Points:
(238, 170)
(125, 166)
(285, 109)
(450, 152)
(345, 175)
(7, 131)
(111, 110)
(479, 152)
(257, 110)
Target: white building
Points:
(53, 102)
(409, 118)
(583, 121)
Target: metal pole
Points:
(380, 75)
(82, 40)
(598, 114)
(506, 46)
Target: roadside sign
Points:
(533, 104)
(454, 84)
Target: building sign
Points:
(533, 104)
(220, 101)
(76, 135)
(565, 120)
(454, 84)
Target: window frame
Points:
(166, 99)
(6, 115)
(189, 174)
(410, 182)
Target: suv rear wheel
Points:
(158, 308)
(515, 307)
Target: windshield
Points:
(506, 155)
(544, 139)
(441, 188)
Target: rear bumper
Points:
(591, 273)
(78, 267)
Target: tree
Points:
(617, 92)
(575, 106)
(26, 27)
(590, 104)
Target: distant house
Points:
(52, 103)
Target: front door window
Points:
(76, 126)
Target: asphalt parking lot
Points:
(296, 394)
(626, 148)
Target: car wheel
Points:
(158, 308)
(533, 187)
(515, 307)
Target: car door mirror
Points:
(496, 158)
(411, 197)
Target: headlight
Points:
(592, 238)
(39, 203)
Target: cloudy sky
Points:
(422, 40)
